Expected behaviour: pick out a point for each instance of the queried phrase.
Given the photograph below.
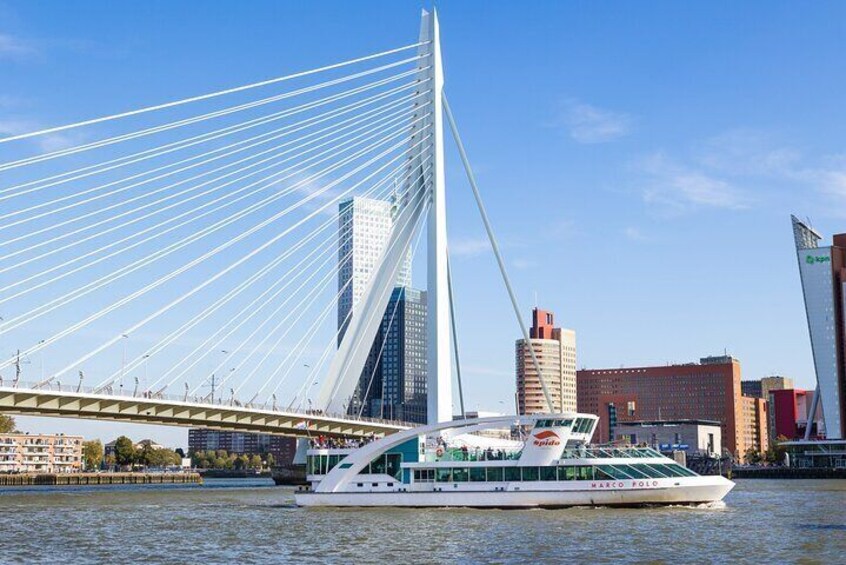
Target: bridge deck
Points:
(88, 405)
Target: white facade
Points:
(818, 287)
(364, 230)
(817, 272)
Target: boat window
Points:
(530, 473)
(443, 475)
(359, 485)
(393, 464)
(378, 466)
(676, 470)
(633, 471)
(548, 473)
(583, 425)
(602, 473)
(656, 471)
(584, 473)
(494, 473)
(688, 472)
(477, 474)
(460, 475)
(425, 475)
(375, 484)
(512, 473)
(567, 473)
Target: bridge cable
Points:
(210, 279)
(209, 95)
(250, 142)
(204, 345)
(49, 306)
(289, 366)
(472, 180)
(156, 228)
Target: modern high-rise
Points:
(364, 226)
(243, 443)
(555, 349)
(708, 390)
(822, 270)
(393, 384)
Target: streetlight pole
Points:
(124, 337)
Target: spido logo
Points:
(546, 439)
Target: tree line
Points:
(222, 460)
(126, 454)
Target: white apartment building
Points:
(28, 453)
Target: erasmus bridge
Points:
(178, 264)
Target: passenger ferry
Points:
(456, 464)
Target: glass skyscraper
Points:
(823, 274)
(393, 381)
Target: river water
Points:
(228, 521)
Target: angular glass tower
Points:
(823, 274)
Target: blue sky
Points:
(639, 161)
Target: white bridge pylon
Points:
(343, 375)
(182, 256)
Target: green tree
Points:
(7, 424)
(124, 451)
(92, 454)
(255, 462)
(111, 461)
(162, 457)
(241, 462)
(753, 456)
(270, 460)
(179, 451)
(775, 454)
(220, 463)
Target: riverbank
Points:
(88, 479)
(788, 473)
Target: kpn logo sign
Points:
(812, 259)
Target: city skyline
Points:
(654, 200)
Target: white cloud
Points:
(522, 263)
(468, 246)
(13, 48)
(634, 234)
(679, 188)
(747, 152)
(590, 124)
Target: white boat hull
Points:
(694, 490)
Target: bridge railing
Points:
(122, 392)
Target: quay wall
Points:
(84, 479)
(788, 473)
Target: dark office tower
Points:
(393, 383)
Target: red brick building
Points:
(708, 390)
